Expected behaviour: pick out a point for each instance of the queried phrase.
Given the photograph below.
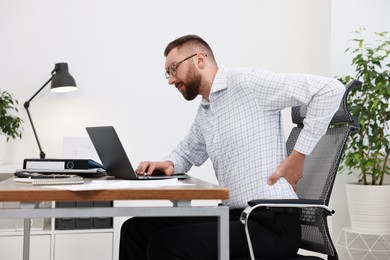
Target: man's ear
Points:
(201, 60)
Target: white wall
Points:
(348, 16)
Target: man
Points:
(238, 126)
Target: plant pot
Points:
(369, 208)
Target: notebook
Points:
(40, 179)
(113, 156)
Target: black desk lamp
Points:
(61, 81)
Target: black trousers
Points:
(275, 234)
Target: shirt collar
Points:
(219, 83)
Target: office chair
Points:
(315, 187)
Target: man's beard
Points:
(191, 90)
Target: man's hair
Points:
(190, 42)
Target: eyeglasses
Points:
(172, 69)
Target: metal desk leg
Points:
(223, 235)
(26, 238)
(27, 228)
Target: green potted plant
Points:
(368, 149)
(10, 124)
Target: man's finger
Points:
(151, 169)
(274, 177)
(141, 169)
(294, 186)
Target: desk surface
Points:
(9, 191)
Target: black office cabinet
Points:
(65, 223)
(102, 222)
(84, 223)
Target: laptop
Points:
(113, 156)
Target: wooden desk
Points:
(181, 196)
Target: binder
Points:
(60, 164)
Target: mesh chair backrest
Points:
(321, 165)
(320, 172)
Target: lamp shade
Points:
(62, 81)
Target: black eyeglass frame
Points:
(172, 69)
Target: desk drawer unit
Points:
(83, 223)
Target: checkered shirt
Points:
(240, 129)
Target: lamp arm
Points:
(26, 106)
(41, 153)
(27, 103)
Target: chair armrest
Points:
(283, 203)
